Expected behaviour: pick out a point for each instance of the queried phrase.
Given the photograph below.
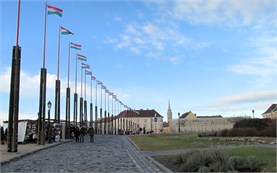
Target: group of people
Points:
(79, 134)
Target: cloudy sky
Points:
(210, 57)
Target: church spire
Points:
(169, 112)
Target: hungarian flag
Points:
(75, 46)
(81, 57)
(93, 78)
(54, 10)
(88, 72)
(99, 82)
(85, 65)
(65, 31)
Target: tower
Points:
(169, 112)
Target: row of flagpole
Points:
(83, 101)
(15, 83)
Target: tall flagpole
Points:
(67, 108)
(105, 114)
(42, 93)
(108, 113)
(91, 106)
(58, 84)
(81, 100)
(14, 91)
(96, 118)
(75, 96)
(101, 121)
(85, 103)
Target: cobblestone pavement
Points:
(106, 154)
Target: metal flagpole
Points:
(14, 92)
(67, 108)
(91, 105)
(101, 130)
(108, 113)
(96, 118)
(81, 100)
(105, 114)
(75, 95)
(58, 83)
(85, 102)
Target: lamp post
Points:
(179, 130)
(253, 112)
(49, 104)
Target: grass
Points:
(267, 156)
(163, 142)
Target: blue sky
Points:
(210, 57)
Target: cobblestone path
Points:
(106, 154)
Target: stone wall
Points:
(202, 124)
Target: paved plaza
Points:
(107, 154)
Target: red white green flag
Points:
(99, 82)
(93, 78)
(54, 10)
(88, 72)
(75, 46)
(81, 57)
(65, 31)
(85, 65)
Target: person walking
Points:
(91, 134)
(82, 133)
(77, 134)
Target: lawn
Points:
(163, 142)
(266, 155)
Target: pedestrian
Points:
(77, 134)
(91, 134)
(82, 134)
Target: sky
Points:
(211, 57)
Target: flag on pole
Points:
(75, 46)
(99, 82)
(54, 10)
(65, 31)
(88, 72)
(85, 65)
(93, 78)
(81, 57)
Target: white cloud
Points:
(229, 13)
(240, 104)
(263, 66)
(249, 97)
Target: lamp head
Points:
(49, 104)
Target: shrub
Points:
(195, 161)
(208, 134)
(215, 161)
(254, 123)
(251, 127)
(248, 164)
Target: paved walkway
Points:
(109, 153)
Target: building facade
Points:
(146, 120)
(271, 112)
(189, 122)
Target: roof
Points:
(272, 108)
(184, 115)
(139, 113)
(214, 116)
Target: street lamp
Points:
(253, 112)
(179, 130)
(49, 104)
